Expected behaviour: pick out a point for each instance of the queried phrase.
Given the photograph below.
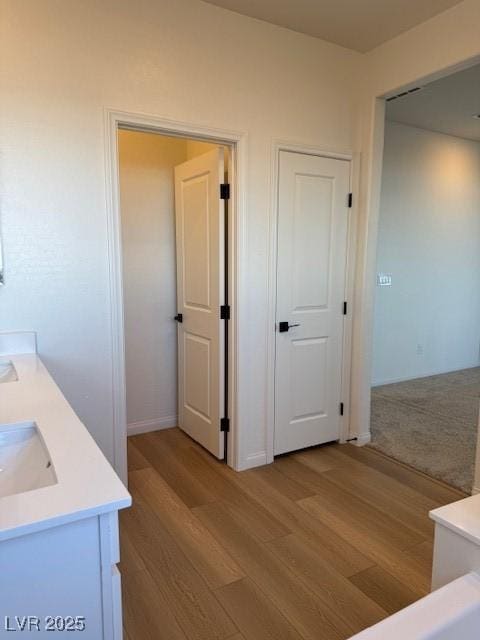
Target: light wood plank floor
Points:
(318, 545)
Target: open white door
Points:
(312, 250)
(199, 212)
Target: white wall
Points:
(429, 240)
(64, 62)
(146, 163)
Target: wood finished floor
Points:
(318, 545)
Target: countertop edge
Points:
(63, 519)
(462, 517)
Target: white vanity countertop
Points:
(462, 516)
(87, 485)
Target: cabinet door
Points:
(50, 573)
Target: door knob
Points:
(179, 317)
(284, 326)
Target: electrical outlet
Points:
(419, 349)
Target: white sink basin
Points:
(7, 371)
(24, 460)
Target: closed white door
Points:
(313, 211)
(199, 213)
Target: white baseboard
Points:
(253, 460)
(429, 374)
(362, 440)
(144, 426)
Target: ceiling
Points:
(447, 105)
(357, 24)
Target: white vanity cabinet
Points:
(457, 540)
(63, 580)
(59, 503)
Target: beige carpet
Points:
(430, 424)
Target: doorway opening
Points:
(175, 215)
(426, 338)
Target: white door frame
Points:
(354, 159)
(237, 142)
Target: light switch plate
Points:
(384, 279)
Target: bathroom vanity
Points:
(59, 502)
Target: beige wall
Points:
(197, 148)
(146, 165)
(428, 50)
(63, 63)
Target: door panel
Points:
(199, 213)
(196, 230)
(311, 223)
(312, 241)
(197, 390)
(309, 400)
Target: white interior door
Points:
(199, 215)
(312, 250)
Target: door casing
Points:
(353, 159)
(236, 142)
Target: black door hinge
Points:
(345, 308)
(350, 200)
(225, 424)
(341, 408)
(225, 312)
(225, 191)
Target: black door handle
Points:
(179, 317)
(285, 326)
